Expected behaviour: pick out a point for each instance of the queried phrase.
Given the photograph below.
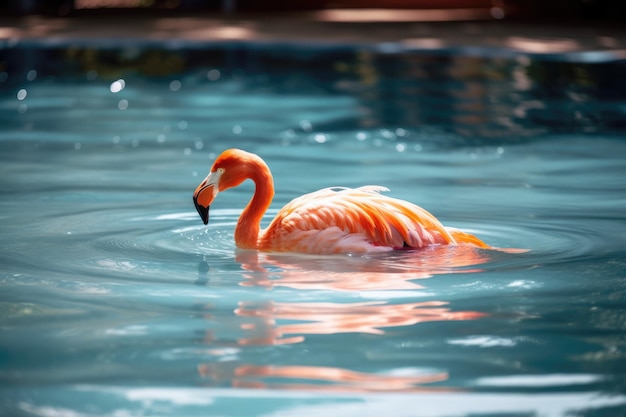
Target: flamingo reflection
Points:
(332, 318)
(360, 273)
(338, 273)
(273, 322)
(332, 378)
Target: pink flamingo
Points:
(331, 220)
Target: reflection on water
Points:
(271, 323)
(351, 273)
(304, 378)
(332, 318)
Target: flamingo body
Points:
(331, 220)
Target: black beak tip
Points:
(202, 211)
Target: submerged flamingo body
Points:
(331, 220)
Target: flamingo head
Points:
(229, 170)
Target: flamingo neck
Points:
(249, 224)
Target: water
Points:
(117, 301)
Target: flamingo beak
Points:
(203, 197)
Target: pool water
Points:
(117, 301)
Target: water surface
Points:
(116, 299)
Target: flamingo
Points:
(328, 221)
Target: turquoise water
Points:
(116, 300)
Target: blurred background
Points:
(608, 10)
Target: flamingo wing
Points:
(352, 220)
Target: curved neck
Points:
(249, 224)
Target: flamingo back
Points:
(337, 219)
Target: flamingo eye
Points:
(220, 171)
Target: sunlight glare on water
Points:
(117, 300)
